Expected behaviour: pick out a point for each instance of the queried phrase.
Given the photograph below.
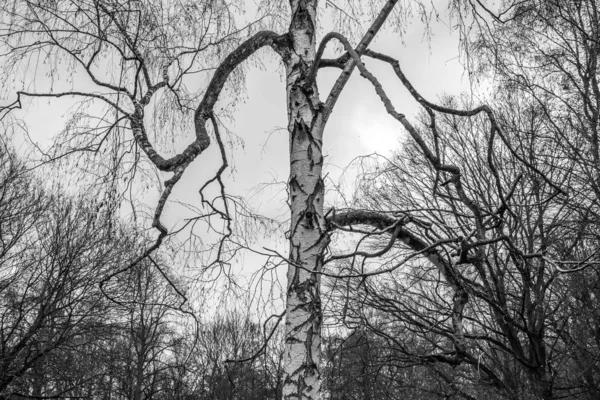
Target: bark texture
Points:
(308, 235)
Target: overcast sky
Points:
(359, 124)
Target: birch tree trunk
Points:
(308, 237)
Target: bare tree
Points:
(54, 251)
(498, 310)
(544, 56)
(139, 59)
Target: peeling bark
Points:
(308, 236)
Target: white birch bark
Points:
(308, 237)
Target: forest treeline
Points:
(70, 329)
(466, 265)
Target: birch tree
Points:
(135, 59)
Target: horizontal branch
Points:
(385, 222)
(17, 103)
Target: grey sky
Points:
(359, 124)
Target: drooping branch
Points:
(383, 222)
(432, 156)
(218, 177)
(179, 163)
(387, 223)
(495, 126)
(131, 44)
(205, 108)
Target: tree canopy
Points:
(467, 257)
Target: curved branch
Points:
(385, 222)
(394, 228)
(205, 108)
(462, 113)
